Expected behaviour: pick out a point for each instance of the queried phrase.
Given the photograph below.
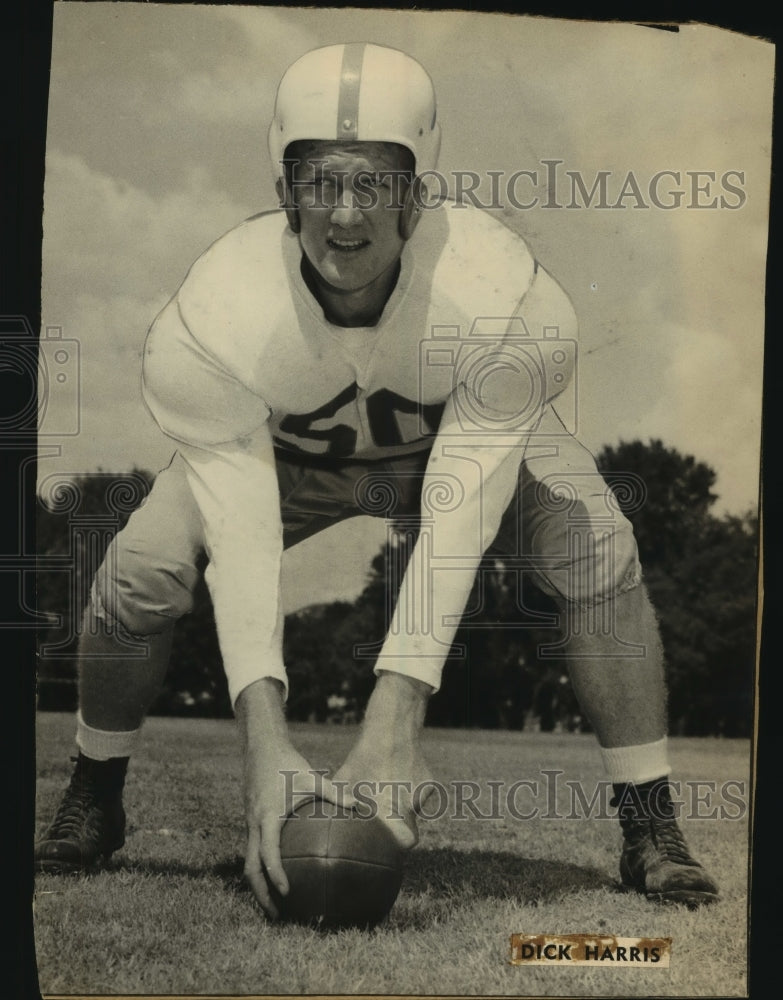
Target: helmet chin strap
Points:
(409, 216)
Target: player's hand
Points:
(396, 785)
(387, 764)
(277, 777)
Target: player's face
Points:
(350, 198)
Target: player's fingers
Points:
(262, 893)
(314, 783)
(270, 856)
(403, 827)
(420, 795)
(337, 792)
(254, 873)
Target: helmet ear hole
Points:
(411, 208)
(286, 200)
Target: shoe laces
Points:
(76, 810)
(670, 841)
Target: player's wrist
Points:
(408, 692)
(395, 713)
(260, 711)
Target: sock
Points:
(649, 799)
(105, 777)
(637, 764)
(102, 745)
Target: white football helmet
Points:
(356, 92)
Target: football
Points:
(344, 869)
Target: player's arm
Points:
(235, 486)
(471, 478)
(221, 429)
(234, 483)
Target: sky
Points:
(157, 145)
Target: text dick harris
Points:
(590, 949)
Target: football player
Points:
(365, 352)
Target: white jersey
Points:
(242, 357)
(244, 341)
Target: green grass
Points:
(172, 914)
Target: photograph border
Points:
(23, 188)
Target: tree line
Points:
(506, 668)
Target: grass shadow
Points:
(229, 871)
(447, 870)
(447, 876)
(500, 875)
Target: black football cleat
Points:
(90, 822)
(655, 859)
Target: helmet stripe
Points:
(350, 84)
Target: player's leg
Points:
(625, 699)
(583, 553)
(623, 696)
(143, 586)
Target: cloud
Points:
(712, 408)
(102, 234)
(113, 255)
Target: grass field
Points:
(171, 915)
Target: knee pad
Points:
(140, 593)
(594, 565)
(617, 563)
(605, 566)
